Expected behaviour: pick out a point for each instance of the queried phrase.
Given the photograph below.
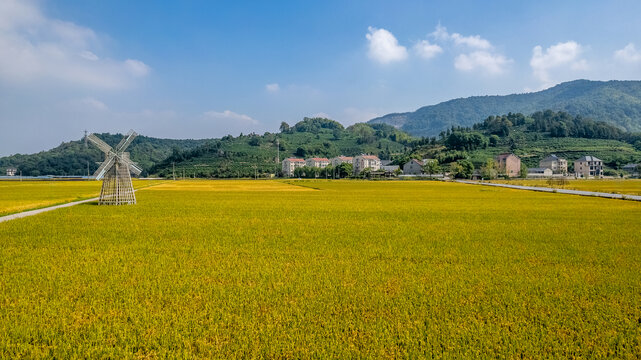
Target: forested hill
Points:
(72, 158)
(614, 102)
(252, 154)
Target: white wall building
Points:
(588, 167)
(317, 162)
(362, 162)
(290, 164)
(340, 159)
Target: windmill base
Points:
(117, 188)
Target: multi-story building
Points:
(290, 164)
(11, 171)
(554, 163)
(341, 159)
(317, 162)
(362, 162)
(509, 164)
(588, 167)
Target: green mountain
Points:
(533, 138)
(73, 158)
(250, 155)
(614, 102)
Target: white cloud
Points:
(37, 49)
(480, 54)
(94, 104)
(273, 88)
(383, 46)
(472, 41)
(426, 50)
(440, 33)
(559, 56)
(490, 63)
(229, 115)
(321, 115)
(628, 54)
(354, 115)
(86, 54)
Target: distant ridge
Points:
(615, 102)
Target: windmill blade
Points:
(126, 141)
(99, 143)
(106, 165)
(126, 161)
(135, 168)
(124, 138)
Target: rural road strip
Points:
(38, 211)
(559, 191)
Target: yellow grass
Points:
(18, 196)
(618, 186)
(344, 269)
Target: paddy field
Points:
(322, 269)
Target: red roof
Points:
(346, 158)
(319, 159)
(295, 159)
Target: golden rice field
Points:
(325, 269)
(613, 186)
(17, 196)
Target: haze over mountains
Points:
(615, 102)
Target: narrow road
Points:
(38, 211)
(560, 191)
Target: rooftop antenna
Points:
(117, 188)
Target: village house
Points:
(362, 162)
(588, 167)
(539, 172)
(390, 170)
(290, 164)
(509, 164)
(413, 167)
(335, 161)
(632, 169)
(554, 163)
(11, 171)
(317, 162)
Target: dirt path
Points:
(38, 211)
(560, 191)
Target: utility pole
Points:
(173, 170)
(87, 170)
(86, 139)
(277, 151)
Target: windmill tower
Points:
(117, 188)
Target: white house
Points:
(554, 163)
(11, 171)
(588, 167)
(362, 162)
(413, 167)
(539, 172)
(290, 164)
(335, 161)
(317, 162)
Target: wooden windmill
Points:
(117, 188)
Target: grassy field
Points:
(343, 269)
(18, 196)
(628, 186)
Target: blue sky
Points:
(194, 69)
